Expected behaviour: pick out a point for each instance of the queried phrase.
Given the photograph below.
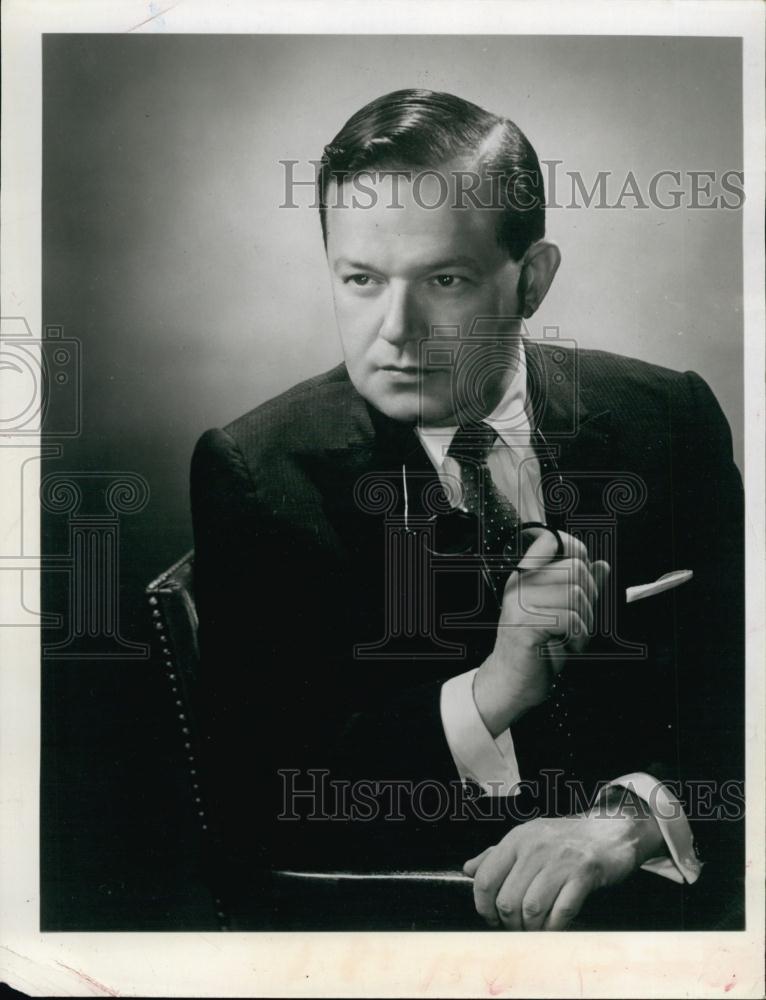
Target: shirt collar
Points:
(509, 418)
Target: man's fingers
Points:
(542, 550)
(583, 610)
(569, 624)
(572, 623)
(540, 896)
(583, 577)
(563, 573)
(600, 571)
(511, 897)
(469, 868)
(568, 904)
(489, 877)
(573, 547)
(545, 547)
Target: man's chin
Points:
(413, 409)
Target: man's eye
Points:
(360, 280)
(448, 280)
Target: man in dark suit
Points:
(414, 573)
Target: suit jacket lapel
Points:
(364, 453)
(573, 442)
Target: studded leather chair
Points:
(175, 623)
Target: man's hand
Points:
(540, 874)
(518, 673)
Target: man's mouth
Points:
(407, 371)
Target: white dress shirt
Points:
(477, 755)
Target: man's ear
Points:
(538, 270)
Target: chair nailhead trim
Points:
(160, 626)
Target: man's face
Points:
(398, 273)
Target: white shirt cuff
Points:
(477, 756)
(492, 764)
(683, 864)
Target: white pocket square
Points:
(666, 582)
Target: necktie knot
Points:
(473, 442)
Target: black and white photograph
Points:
(382, 422)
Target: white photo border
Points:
(632, 964)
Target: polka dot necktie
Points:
(500, 524)
(498, 518)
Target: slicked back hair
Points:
(410, 130)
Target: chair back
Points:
(174, 616)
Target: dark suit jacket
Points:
(297, 510)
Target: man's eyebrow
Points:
(437, 265)
(358, 264)
(462, 260)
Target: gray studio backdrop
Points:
(195, 297)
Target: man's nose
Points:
(401, 321)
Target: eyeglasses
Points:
(456, 534)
